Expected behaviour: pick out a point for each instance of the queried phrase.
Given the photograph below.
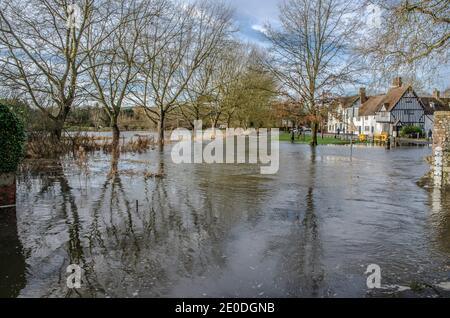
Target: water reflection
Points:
(12, 258)
(310, 244)
(115, 156)
(440, 211)
(227, 231)
(138, 249)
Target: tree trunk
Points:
(115, 147)
(116, 136)
(59, 123)
(57, 130)
(315, 129)
(216, 121)
(161, 129)
(114, 161)
(229, 121)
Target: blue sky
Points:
(252, 15)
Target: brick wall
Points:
(441, 147)
(7, 189)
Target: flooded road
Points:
(227, 231)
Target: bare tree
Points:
(311, 52)
(200, 91)
(42, 53)
(247, 97)
(113, 64)
(252, 99)
(409, 31)
(210, 88)
(409, 37)
(175, 46)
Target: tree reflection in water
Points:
(144, 250)
(43, 233)
(304, 263)
(310, 244)
(224, 230)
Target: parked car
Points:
(306, 129)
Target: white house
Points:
(386, 113)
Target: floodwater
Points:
(227, 231)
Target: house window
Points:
(367, 117)
(373, 129)
(367, 128)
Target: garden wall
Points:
(441, 149)
(7, 189)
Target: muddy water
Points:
(227, 231)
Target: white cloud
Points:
(259, 28)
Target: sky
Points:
(252, 15)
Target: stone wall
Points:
(441, 149)
(7, 189)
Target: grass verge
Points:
(286, 137)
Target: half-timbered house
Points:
(387, 113)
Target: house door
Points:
(398, 128)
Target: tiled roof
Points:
(372, 105)
(376, 103)
(347, 101)
(440, 104)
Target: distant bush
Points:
(12, 140)
(411, 131)
(19, 108)
(32, 119)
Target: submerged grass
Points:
(42, 145)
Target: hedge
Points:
(411, 131)
(12, 140)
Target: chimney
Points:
(397, 82)
(362, 95)
(436, 94)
